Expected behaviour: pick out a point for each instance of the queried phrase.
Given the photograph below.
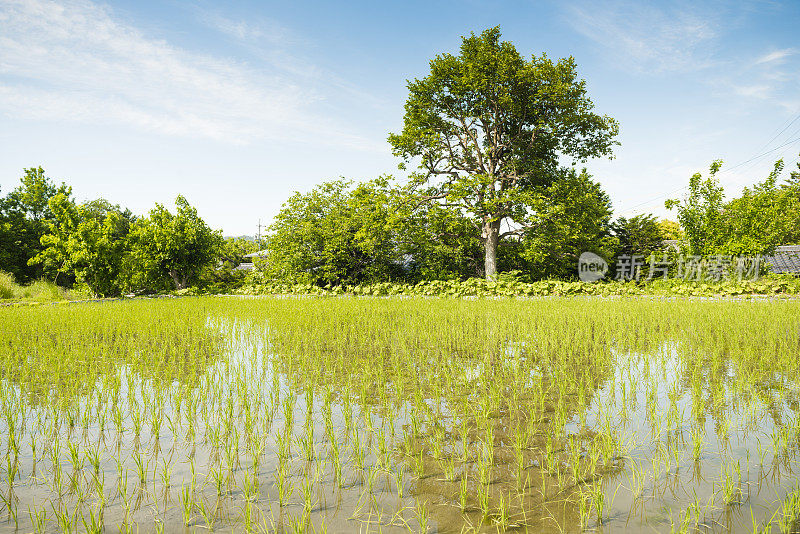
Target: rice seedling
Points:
(283, 487)
(515, 412)
(142, 466)
(249, 488)
(422, 516)
(94, 523)
(187, 503)
(38, 520)
(208, 513)
(63, 518)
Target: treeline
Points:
(342, 233)
(104, 248)
(346, 233)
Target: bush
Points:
(510, 287)
(39, 291)
(8, 287)
(42, 290)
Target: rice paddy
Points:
(400, 414)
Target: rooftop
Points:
(786, 259)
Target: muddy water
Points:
(712, 453)
(249, 447)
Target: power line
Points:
(764, 154)
(779, 133)
(664, 195)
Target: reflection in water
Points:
(382, 414)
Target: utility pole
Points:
(258, 236)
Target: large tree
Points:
(489, 128)
(24, 218)
(173, 248)
(88, 242)
(337, 233)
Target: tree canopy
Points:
(173, 248)
(572, 215)
(24, 217)
(335, 234)
(763, 217)
(488, 128)
(640, 234)
(342, 233)
(87, 241)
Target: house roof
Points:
(785, 260)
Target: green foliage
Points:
(32, 196)
(234, 249)
(641, 238)
(24, 218)
(43, 231)
(7, 285)
(671, 230)
(763, 217)
(700, 214)
(345, 233)
(793, 182)
(337, 233)
(572, 215)
(169, 249)
(87, 241)
(440, 243)
(38, 291)
(487, 128)
(641, 234)
(44, 290)
(755, 223)
(509, 286)
(222, 275)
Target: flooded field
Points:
(396, 415)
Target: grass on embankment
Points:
(38, 291)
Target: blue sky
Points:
(237, 105)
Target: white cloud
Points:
(792, 106)
(754, 91)
(685, 38)
(261, 30)
(644, 37)
(776, 56)
(771, 77)
(270, 42)
(73, 60)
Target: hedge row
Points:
(478, 287)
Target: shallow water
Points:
(270, 427)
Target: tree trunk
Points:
(176, 279)
(491, 238)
